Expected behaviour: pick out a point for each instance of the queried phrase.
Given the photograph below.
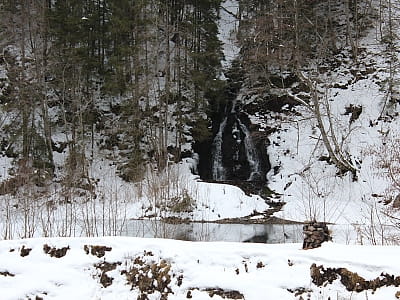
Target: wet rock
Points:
(299, 291)
(179, 280)
(224, 294)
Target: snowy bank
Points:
(135, 268)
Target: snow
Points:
(251, 269)
(228, 25)
(310, 187)
(5, 166)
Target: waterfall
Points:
(218, 170)
(237, 132)
(251, 153)
(233, 153)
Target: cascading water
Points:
(251, 154)
(234, 155)
(218, 171)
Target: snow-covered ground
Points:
(131, 267)
(310, 187)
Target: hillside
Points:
(205, 111)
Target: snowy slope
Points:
(170, 269)
(310, 185)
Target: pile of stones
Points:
(315, 233)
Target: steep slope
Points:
(74, 139)
(358, 109)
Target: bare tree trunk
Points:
(329, 139)
(167, 86)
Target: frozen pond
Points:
(257, 233)
(261, 233)
(362, 234)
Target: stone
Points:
(396, 202)
(315, 233)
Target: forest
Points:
(144, 77)
(97, 94)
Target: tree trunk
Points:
(330, 142)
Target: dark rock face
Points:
(203, 149)
(241, 156)
(234, 157)
(233, 153)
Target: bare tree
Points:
(335, 150)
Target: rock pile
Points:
(315, 233)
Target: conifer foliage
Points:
(126, 77)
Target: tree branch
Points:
(229, 12)
(335, 152)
